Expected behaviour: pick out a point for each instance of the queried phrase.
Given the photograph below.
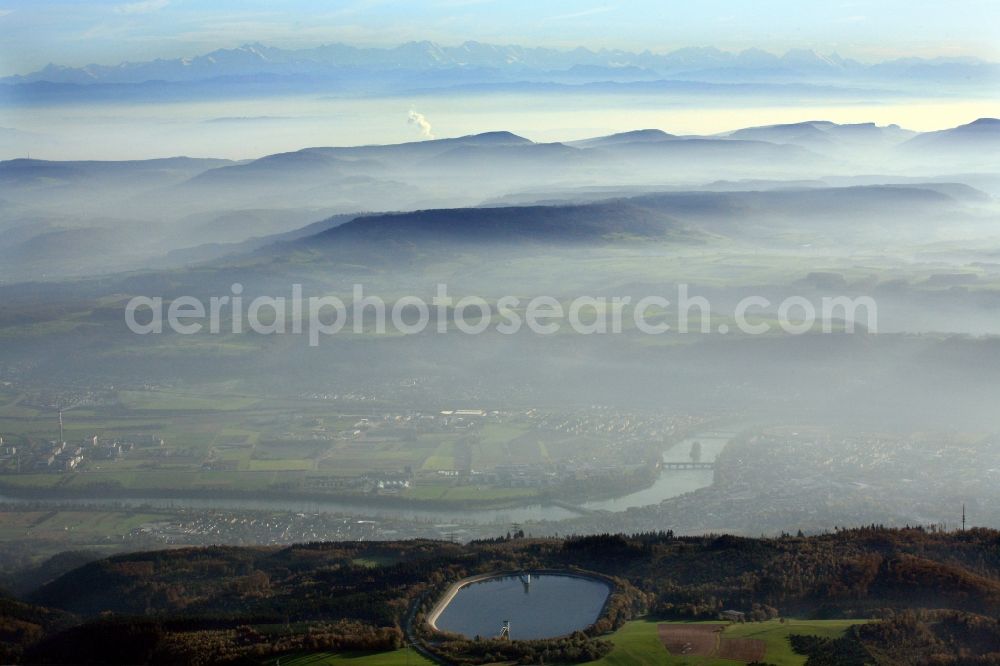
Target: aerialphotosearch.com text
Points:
(324, 316)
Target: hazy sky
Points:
(36, 32)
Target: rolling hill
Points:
(906, 592)
(170, 200)
(982, 135)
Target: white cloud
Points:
(142, 7)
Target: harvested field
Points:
(706, 640)
(700, 640)
(742, 649)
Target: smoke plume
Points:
(420, 121)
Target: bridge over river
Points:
(688, 465)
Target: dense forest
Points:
(935, 594)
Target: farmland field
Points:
(402, 657)
(83, 525)
(213, 440)
(639, 642)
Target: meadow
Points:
(401, 657)
(638, 643)
(217, 439)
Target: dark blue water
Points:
(552, 605)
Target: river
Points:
(670, 483)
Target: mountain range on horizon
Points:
(823, 133)
(489, 62)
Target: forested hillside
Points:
(935, 592)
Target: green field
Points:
(403, 657)
(218, 439)
(467, 493)
(443, 458)
(81, 526)
(637, 643)
(53, 531)
(289, 465)
(166, 400)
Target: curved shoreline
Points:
(543, 507)
(449, 594)
(100, 492)
(388, 501)
(465, 514)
